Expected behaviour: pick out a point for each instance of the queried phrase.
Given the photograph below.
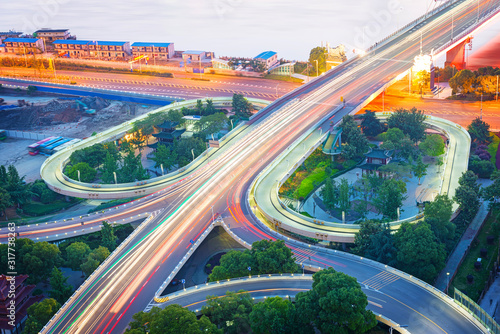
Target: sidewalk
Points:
(464, 243)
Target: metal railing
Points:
(476, 311)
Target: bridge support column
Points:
(456, 56)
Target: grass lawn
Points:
(490, 227)
(283, 78)
(493, 148)
(112, 203)
(310, 182)
(40, 209)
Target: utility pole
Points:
(497, 89)
(383, 101)
(317, 68)
(481, 106)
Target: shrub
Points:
(482, 168)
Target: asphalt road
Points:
(126, 282)
(213, 86)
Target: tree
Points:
(172, 319)
(275, 315)
(109, 168)
(336, 304)
(382, 247)
(394, 135)
(241, 106)
(16, 186)
(37, 259)
(184, 147)
(76, 254)
(362, 239)
(318, 54)
(132, 168)
(492, 192)
(352, 136)
(265, 257)
(330, 194)
(411, 122)
(479, 131)
(483, 168)
(199, 107)
(419, 252)
(419, 169)
(94, 259)
(463, 82)
(39, 314)
(407, 149)
(433, 145)
(370, 124)
(209, 108)
(60, 291)
(344, 196)
(438, 214)
(390, 197)
(210, 124)
(4, 178)
(5, 201)
(87, 173)
(229, 313)
(467, 193)
(422, 78)
(108, 237)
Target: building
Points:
(23, 45)
(335, 56)
(221, 64)
(193, 55)
(50, 35)
(168, 133)
(20, 293)
(72, 48)
(375, 159)
(269, 58)
(160, 51)
(9, 34)
(109, 50)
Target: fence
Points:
(25, 135)
(476, 311)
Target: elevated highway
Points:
(127, 281)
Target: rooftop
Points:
(71, 41)
(266, 55)
(163, 45)
(110, 43)
(378, 154)
(51, 30)
(10, 33)
(169, 135)
(21, 40)
(192, 52)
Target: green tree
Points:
(231, 312)
(419, 169)
(419, 252)
(467, 193)
(108, 237)
(5, 201)
(390, 197)
(273, 257)
(407, 150)
(438, 214)
(210, 124)
(184, 147)
(318, 54)
(479, 131)
(336, 304)
(19, 191)
(382, 247)
(394, 135)
(233, 264)
(172, 319)
(275, 315)
(132, 168)
(411, 122)
(433, 145)
(94, 259)
(76, 254)
(166, 156)
(492, 192)
(37, 259)
(109, 168)
(422, 79)
(87, 173)
(483, 168)
(330, 194)
(200, 110)
(241, 106)
(352, 136)
(39, 314)
(4, 178)
(60, 291)
(362, 239)
(344, 196)
(370, 124)
(209, 108)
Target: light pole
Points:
(231, 124)
(383, 101)
(317, 68)
(192, 152)
(277, 89)
(497, 89)
(79, 176)
(162, 173)
(114, 174)
(212, 207)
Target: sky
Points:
(227, 27)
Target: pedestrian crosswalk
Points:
(381, 280)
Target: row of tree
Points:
(475, 83)
(420, 249)
(335, 304)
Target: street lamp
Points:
(481, 106)
(114, 174)
(317, 69)
(79, 176)
(192, 152)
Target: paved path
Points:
(458, 253)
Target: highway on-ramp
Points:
(127, 281)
